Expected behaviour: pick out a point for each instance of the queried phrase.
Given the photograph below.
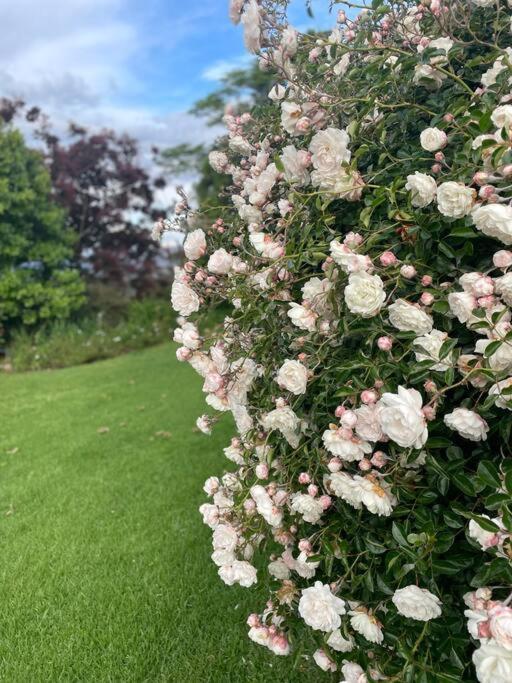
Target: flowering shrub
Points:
(367, 359)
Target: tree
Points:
(37, 280)
(108, 197)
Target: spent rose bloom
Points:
(401, 417)
(467, 423)
(367, 625)
(324, 661)
(337, 642)
(417, 603)
(320, 608)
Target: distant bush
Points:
(95, 337)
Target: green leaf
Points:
(488, 473)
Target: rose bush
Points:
(367, 356)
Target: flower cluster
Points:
(367, 354)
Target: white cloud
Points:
(217, 70)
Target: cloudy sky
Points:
(134, 65)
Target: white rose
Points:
(337, 642)
(265, 245)
(467, 423)
(375, 495)
(429, 346)
(401, 418)
(435, 79)
(353, 673)
(503, 286)
(284, 420)
(320, 609)
(493, 663)
(501, 359)
(277, 93)
(486, 539)
(494, 220)
(290, 114)
(218, 161)
(417, 603)
(302, 317)
(368, 424)
(220, 262)
(210, 514)
(195, 245)
(310, 508)
(240, 145)
(364, 294)
(407, 317)
(240, 572)
(503, 400)
(367, 625)
(347, 259)
(344, 486)
(183, 298)
(423, 189)
(265, 506)
(433, 139)
(251, 19)
(500, 626)
(461, 305)
(455, 200)
(316, 291)
(295, 164)
(502, 116)
(224, 537)
(329, 150)
(324, 661)
(348, 449)
(293, 376)
(190, 336)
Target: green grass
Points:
(105, 572)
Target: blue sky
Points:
(134, 65)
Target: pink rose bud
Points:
(325, 501)
(261, 470)
(430, 387)
(211, 281)
(378, 384)
(426, 280)
(293, 529)
(439, 156)
(334, 465)
(368, 396)
(385, 343)
(183, 354)
(349, 419)
(339, 411)
(253, 620)
(365, 465)
(448, 118)
(237, 241)
(502, 259)
(312, 490)
(302, 357)
(379, 459)
(303, 124)
(436, 168)
(387, 258)
(249, 505)
(486, 192)
(305, 546)
(480, 178)
(408, 271)
(304, 478)
(429, 413)
(426, 298)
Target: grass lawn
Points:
(105, 571)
